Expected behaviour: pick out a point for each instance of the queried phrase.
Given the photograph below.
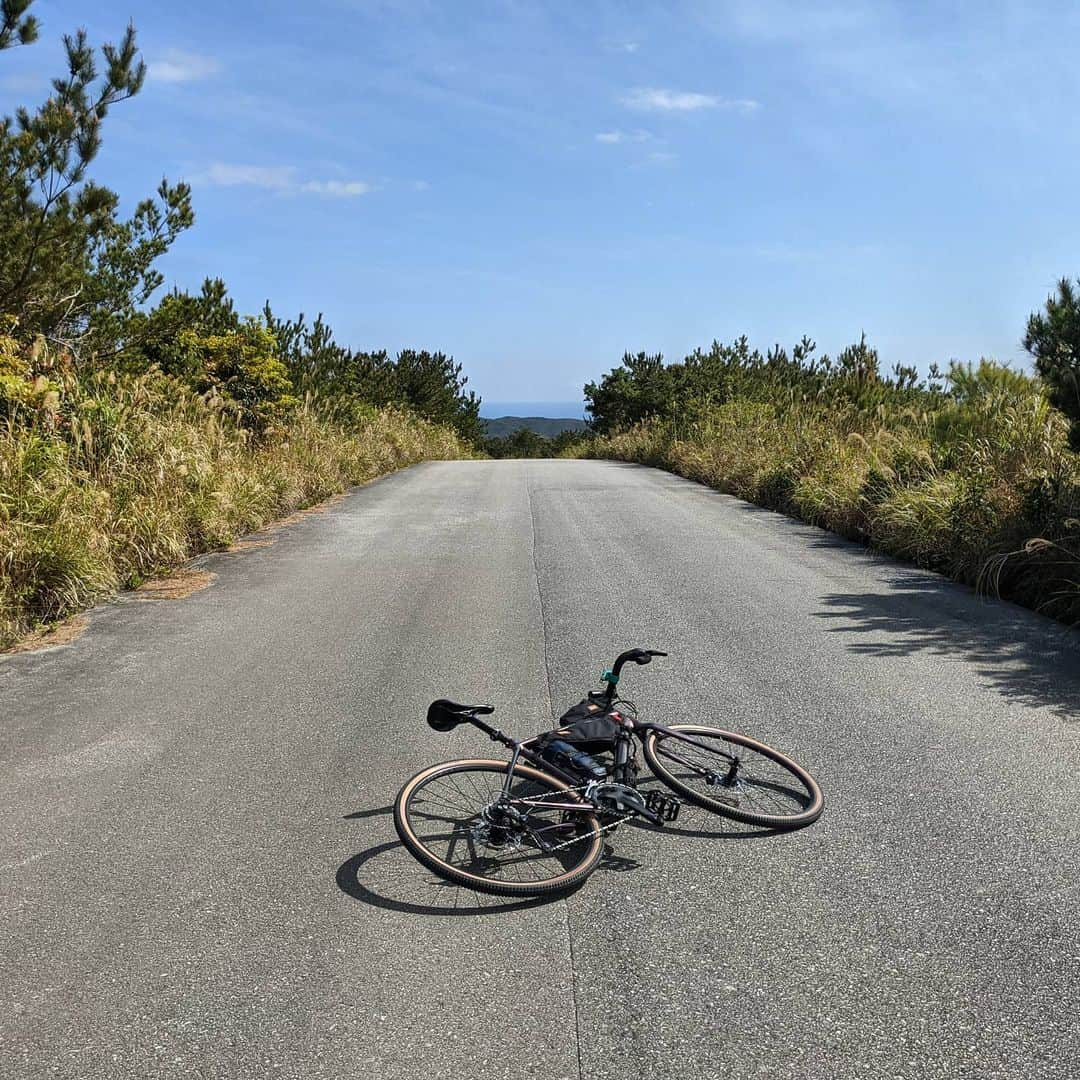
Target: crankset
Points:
(610, 798)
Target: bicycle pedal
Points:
(665, 807)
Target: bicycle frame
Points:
(520, 749)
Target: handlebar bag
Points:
(587, 726)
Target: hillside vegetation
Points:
(135, 434)
(969, 472)
(532, 437)
(546, 426)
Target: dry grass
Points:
(51, 637)
(249, 545)
(302, 515)
(134, 477)
(177, 586)
(961, 490)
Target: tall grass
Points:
(133, 476)
(982, 487)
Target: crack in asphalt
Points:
(551, 713)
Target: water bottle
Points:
(564, 756)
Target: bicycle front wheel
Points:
(535, 838)
(734, 775)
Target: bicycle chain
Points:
(585, 836)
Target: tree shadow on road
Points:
(1021, 655)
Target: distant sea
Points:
(557, 410)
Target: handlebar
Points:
(631, 656)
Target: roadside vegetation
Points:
(972, 472)
(137, 431)
(524, 443)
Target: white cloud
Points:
(282, 178)
(271, 177)
(618, 136)
(338, 188)
(654, 99)
(177, 66)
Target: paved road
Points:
(199, 875)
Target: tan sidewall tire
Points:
(810, 815)
(474, 881)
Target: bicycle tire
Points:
(797, 819)
(405, 808)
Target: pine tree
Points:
(16, 27)
(70, 268)
(1053, 339)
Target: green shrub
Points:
(957, 474)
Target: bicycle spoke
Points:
(456, 815)
(758, 783)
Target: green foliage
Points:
(241, 367)
(524, 443)
(643, 387)
(1053, 339)
(25, 394)
(70, 268)
(132, 437)
(431, 385)
(16, 27)
(640, 388)
(956, 473)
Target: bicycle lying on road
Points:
(535, 825)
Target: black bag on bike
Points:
(587, 726)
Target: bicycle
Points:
(535, 825)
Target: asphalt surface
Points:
(199, 874)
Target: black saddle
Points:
(444, 715)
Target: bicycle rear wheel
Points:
(542, 839)
(734, 775)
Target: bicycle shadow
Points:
(386, 876)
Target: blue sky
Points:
(538, 186)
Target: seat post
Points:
(493, 732)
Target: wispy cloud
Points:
(271, 177)
(342, 189)
(280, 178)
(177, 66)
(620, 45)
(618, 136)
(655, 99)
